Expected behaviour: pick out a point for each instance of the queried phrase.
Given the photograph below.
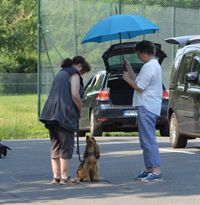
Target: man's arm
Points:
(131, 82)
(75, 87)
(130, 70)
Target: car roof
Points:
(184, 40)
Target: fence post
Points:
(174, 29)
(120, 6)
(75, 27)
(38, 60)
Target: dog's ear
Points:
(93, 139)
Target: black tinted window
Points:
(175, 68)
(196, 64)
(195, 67)
(184, 67)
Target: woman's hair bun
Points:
(67, 62)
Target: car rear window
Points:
(116, 61)
(132, 58)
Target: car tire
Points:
(94, 130)
(176, 139)
(164, 130)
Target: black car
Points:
(107, 102)
(184, 100)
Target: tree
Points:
(18, 40)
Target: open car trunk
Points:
(113, 57)
(120, 92)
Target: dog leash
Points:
(77, 138)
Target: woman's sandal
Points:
(69, 181)
(55, 181)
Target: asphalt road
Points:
(25, 174)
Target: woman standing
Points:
(61, 113)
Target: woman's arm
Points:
(75, 87)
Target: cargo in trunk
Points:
(120, 92)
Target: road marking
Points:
(134, 152)
(124, 153)
(176, 151)
(116, 142)
(13, 178)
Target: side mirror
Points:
(191, 77)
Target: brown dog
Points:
(88, 170)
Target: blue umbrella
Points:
(120, 27)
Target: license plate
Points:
(130, 113)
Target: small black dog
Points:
(3, 149)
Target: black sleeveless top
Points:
(59, 108)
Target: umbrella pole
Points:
(120, 38)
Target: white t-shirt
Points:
(149, 80)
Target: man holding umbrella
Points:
(147, 98)
(147, 86)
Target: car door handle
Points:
(184, 97)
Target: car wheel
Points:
(81, 133)
(94, 130)
(176, 139)
(164, 130)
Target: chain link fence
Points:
(18, 83)
(63, 24)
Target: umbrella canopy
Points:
(119, 27)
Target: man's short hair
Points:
(146, 47)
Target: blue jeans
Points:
(147, 136)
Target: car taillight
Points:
(103, 95)
(102, 119)
(165, 94)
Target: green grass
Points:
(118, 134)
(18, 118)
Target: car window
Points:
(88, 87)
(97, 83)
(184, 67)
(131, 57)
(175, 67)
(195, 67)
(195, 64)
